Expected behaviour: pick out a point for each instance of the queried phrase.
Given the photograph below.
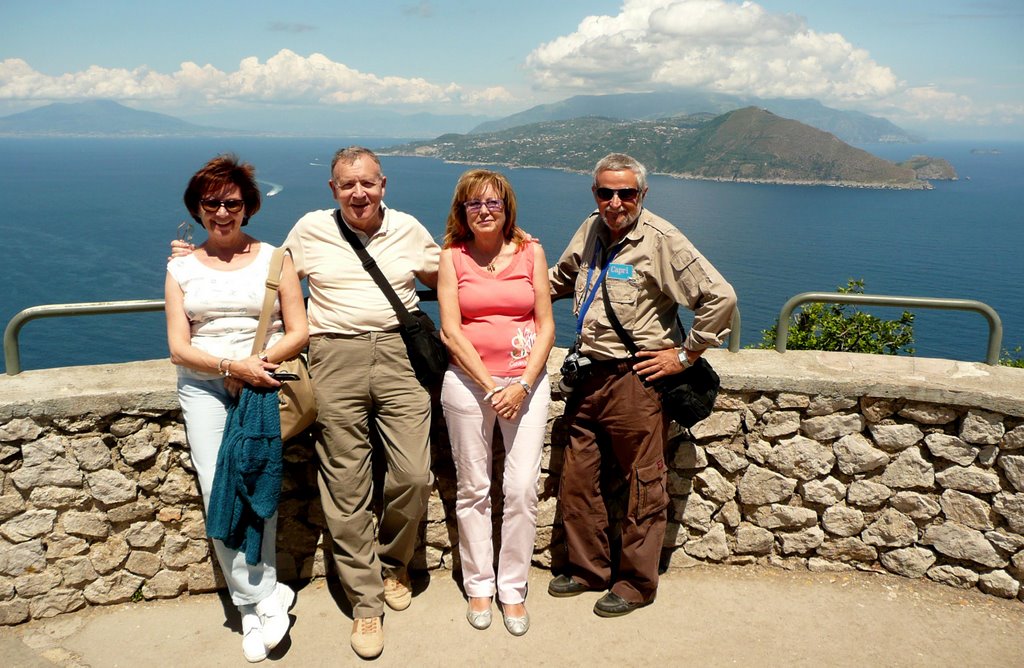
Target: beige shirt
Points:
(656, 269)
(343, 299)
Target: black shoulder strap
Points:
(370, 265)
(616, 325)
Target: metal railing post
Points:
(12, 355)
(734, 333)
(995, 324)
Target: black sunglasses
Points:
(214, 205)
(625, 194)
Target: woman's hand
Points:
(252, 371)
(509, 401)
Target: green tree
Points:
(844, 328)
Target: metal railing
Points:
(995, 325)
(12, 352)
(12, 355)
(734, 333)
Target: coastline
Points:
(685, 176)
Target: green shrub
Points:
(844, 328)
(1012, 358)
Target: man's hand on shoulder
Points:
(180, 248)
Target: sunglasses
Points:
(185, 231)
(214, 205)
(474, 205)
(625, 194)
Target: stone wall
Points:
(824, 461)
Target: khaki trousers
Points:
(365, 382)
(615, 421)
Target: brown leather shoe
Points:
(613, 605)
(564, 586)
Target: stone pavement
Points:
(705, 616)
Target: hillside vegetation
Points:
(748, 144)
(850, 126)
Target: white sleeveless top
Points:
(223, 307)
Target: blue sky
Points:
(946, 67)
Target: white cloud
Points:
(286, 78)
(738, 48)
(710, 44)
(929, 104)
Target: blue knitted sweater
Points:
(247, 481)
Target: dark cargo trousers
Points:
(613, 413)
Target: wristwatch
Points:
(526, 386)
(684, 360)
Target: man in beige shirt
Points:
(363, 381)
(615, 418)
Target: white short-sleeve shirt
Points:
(223, 307)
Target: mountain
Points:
(105, 118)
(99, 118)
(333, 122)
(753, 144)
(850, 126)
(749, 144)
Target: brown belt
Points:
(614, 365)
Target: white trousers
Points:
(204, 405)
(471, 423)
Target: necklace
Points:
(491, 265)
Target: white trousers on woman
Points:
(471, 428)
(204, 405)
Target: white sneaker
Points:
(252, 635)
(273, 615)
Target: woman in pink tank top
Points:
(496, 317)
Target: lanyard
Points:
(585, 305)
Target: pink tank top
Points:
(497, 309)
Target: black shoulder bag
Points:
(687, 397)
(427, 353)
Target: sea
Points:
(87, 220)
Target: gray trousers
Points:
(365, 382)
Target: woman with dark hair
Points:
(213, 300)
(496, 317)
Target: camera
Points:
(575, 368)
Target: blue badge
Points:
(622, 272)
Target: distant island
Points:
(110, 119)
(101, 118)
(746, 145)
